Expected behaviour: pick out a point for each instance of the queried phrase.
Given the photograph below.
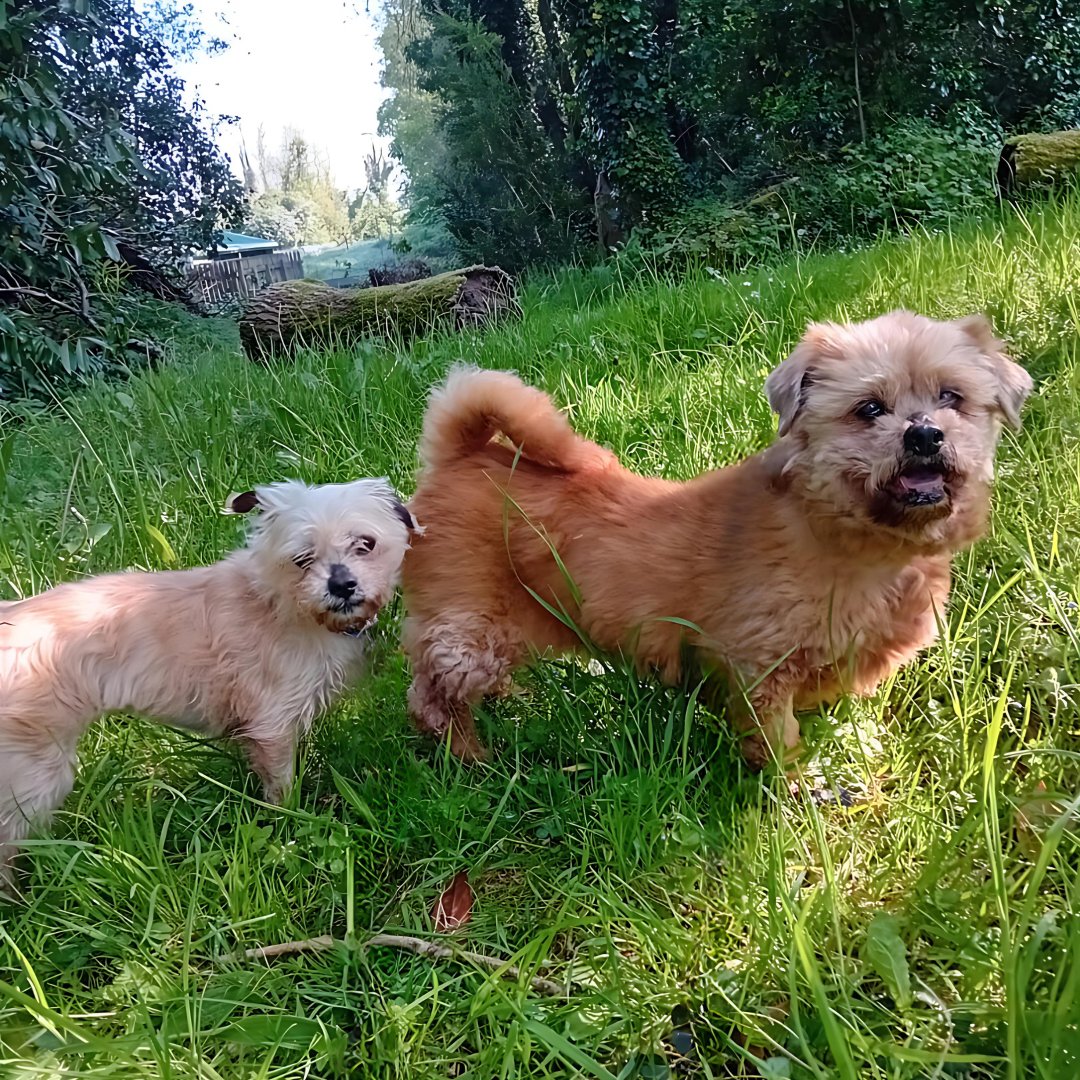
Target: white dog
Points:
(253, 647)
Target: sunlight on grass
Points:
(919, 919)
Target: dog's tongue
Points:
(920, 481)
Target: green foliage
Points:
(300, 204)
(915, 175)
(915, 172)
(614, 840)
(373, 216)
(428, 240)
(668, 100)
(714, 234)
(282, 216)
(487, 154)
(820, 73)
(494, 179)
(886, 956)
(621, 50)
(105, 172)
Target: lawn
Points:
(702, 920)
(353, 261)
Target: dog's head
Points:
(331, 553)
(893, 423)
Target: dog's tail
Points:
(474, 406)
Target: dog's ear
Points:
(1014, 384)
(786, 385)
(243, 503)
(402, 512)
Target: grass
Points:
(352, 261)
(711, 924)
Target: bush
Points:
(916, 175)
(273, 215)
(109, 177)
(428, 240)
(714, 233)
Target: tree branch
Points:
(38, 294)
(416, 945)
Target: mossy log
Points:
(305, 312)
(1030, 162)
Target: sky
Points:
(311, 65)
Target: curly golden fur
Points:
(817, 567)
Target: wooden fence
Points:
(217, 280)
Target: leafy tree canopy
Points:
(108, 178)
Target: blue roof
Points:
(234, 241)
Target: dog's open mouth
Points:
(356, 630)
(352, 617)
(920, 483)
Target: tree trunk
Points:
(1038, 161)
(294, 313)
(609, 233)
(144, 275)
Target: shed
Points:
(239, 266)
(234, 245)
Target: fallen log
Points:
(1031, 162)
(398, 273)
(305, 312)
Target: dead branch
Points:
(433, 949)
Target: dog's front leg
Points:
(765, 718)
(457, 662)
(272, 759)
(435, 714)
(34, 781)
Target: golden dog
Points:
(816, 567)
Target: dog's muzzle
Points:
(922, 480)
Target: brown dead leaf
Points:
(771, 1023)
(454, 908)
(1035, 816)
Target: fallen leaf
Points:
(454, 908)
(1035, 816)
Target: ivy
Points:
(621, 49)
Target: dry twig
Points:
(416, 945)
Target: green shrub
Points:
(109, 177)
(714, 233)
(915, 175)
(429, 240)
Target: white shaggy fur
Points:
(253, 647)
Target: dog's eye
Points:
(304, 560)
(870, 410)
(950, 399)
(364, 544)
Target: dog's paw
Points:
(756, 751)
(275, 794)
(466, 747)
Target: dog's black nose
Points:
(923, 439)
(340, 583)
